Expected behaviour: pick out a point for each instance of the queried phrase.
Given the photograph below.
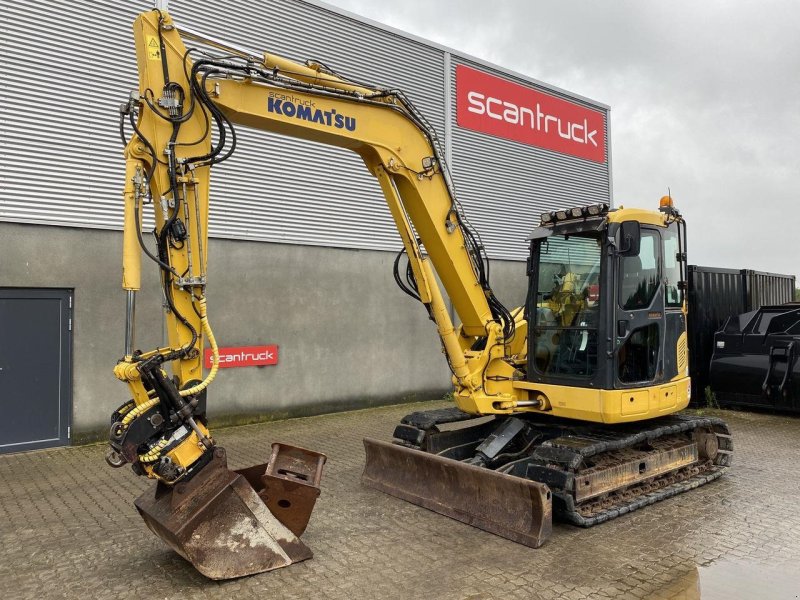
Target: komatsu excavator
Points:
(567, 404)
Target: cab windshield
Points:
(567, 305)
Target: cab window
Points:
(638, 275)
(638, 358)
(567, 305)
(672, 268)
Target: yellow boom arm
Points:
(183, 96)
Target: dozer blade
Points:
(512, 507)
(221, 524)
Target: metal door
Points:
(35, 368)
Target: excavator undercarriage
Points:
(510, 475)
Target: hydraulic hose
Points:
(196, 389)
(138, 410)
(154, 453)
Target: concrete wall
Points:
(88, 261)
(509, 282)
(348, 337)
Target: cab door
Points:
(676, 360)
(640, 319)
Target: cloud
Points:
(703, 96)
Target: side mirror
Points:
(630, 238)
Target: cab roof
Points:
(646, 217)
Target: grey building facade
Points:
(302, 242)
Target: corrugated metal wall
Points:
(714, 295)
(67, 67)
(763, 289)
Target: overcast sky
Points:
(704, 96)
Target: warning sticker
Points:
(153, 48)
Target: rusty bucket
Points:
(289, 485)
(512, 507)
(221, 522)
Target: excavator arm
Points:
(183, 96)
(400, 150)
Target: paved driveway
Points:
(68, 529)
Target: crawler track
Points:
(596, 473)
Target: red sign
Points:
(505, 109)
(244, 356)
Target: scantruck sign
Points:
(244, 356)
(508, 110)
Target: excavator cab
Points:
(615, 318)
(606, 345)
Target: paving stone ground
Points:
(68, 529)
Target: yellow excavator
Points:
(566, 405)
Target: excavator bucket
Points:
(220, 520)
(508, 506)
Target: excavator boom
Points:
(199, 507)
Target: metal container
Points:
(767, 289)
(714, 295)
